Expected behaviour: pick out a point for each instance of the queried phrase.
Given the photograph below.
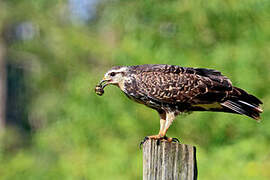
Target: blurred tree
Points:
(2, 87)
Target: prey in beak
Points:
(99, 89)
(115, 76)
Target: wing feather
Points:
(196, 89)
(175, 84)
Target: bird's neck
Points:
(121, 85)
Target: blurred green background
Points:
(53, 53)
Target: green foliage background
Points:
(78, 135)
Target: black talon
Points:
(158, 142)
(143, 141)
(165, 137)
(175, 140)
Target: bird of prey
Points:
(172, 90)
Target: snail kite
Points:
(172, 90)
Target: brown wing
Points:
(174, 84)
(200, 89)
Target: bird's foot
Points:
(159, 138)
(169, 139)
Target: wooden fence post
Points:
(169, 161)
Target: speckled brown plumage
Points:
(180, 89)
(171, 89)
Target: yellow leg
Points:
(162, 122)
(161, 129)
(166, 120)
(170, 116)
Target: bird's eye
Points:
(112, 74)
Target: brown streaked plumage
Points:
(171, 90)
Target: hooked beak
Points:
(104, 82)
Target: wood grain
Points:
(169, 161)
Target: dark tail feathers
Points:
(241, 102)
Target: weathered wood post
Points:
(169, 161)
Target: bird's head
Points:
(115, 76)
